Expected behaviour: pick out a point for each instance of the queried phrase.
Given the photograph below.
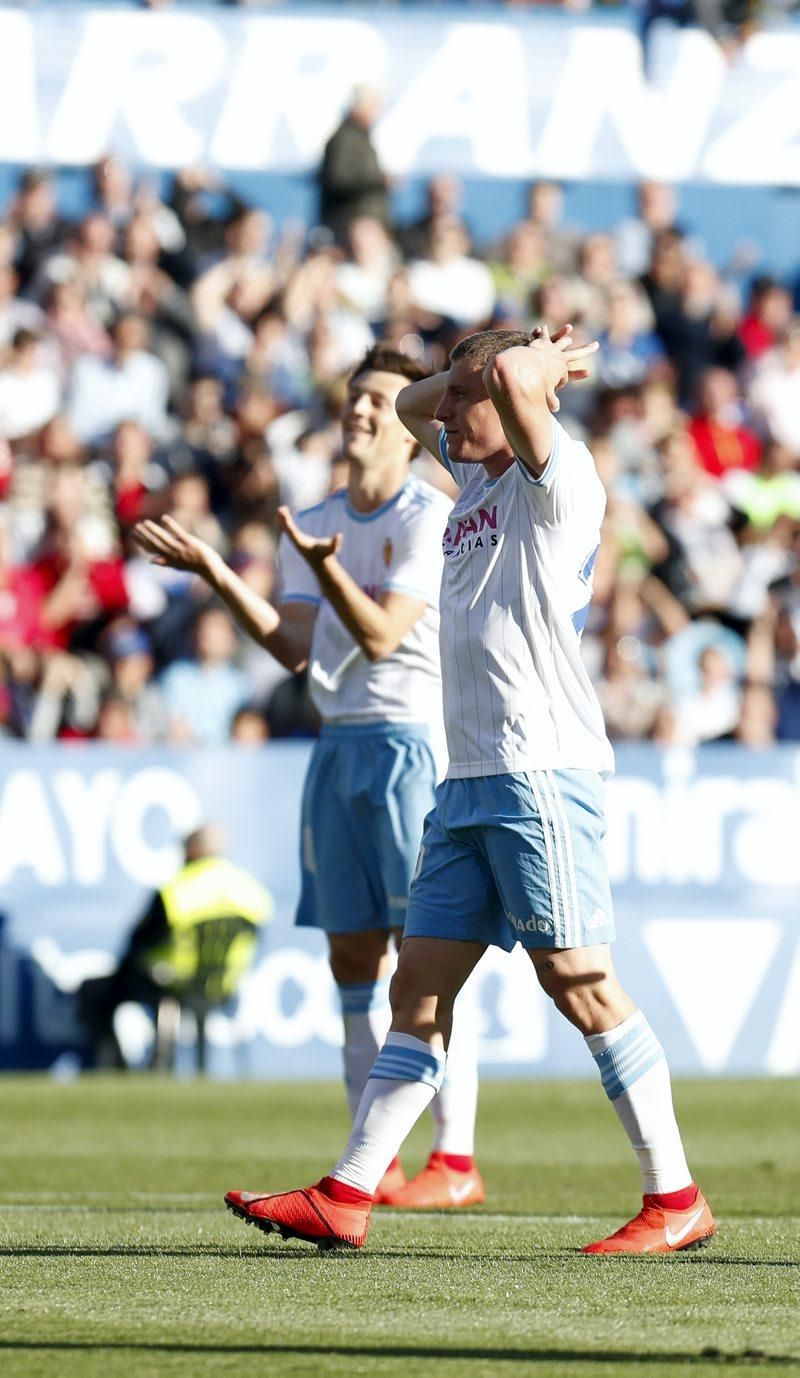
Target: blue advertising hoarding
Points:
(704, 856)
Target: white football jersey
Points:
(398, 546)
(517, 581)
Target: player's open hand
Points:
(315, 549)
(566, 361)
(168, 543)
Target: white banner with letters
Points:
(504, 95)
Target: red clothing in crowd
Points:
(28, 588)
(756, 337)
(722, 448)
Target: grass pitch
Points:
(117, 1256)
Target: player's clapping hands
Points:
(168, 543)
(316, 550)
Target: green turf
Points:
(117, 1258)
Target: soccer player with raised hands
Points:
(513, 850)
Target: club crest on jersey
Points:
(475, 532)
(388, 551)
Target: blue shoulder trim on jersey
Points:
(300, 598)
(391, 587)
(379, 511)
(320, 506)
(547, 472)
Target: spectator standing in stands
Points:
(204, 694)
(132, 385)
(29, 391)
(350, 179)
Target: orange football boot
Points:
(392, 1180)
(307, 1214)
(659, 1230)
(439, 1187)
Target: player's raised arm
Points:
(376, 627)
(523, 385)
(286, 635)
(416, 406)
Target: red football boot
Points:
(658, 1229)
(307, 1214)
(439, 1187)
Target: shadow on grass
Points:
(304, 1254)
(433, 1352)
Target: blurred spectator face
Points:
(555, 303)
(249, 728)
(774, 308)
(189, 499)
(215, 639)
(59, 444)
(681, 470)
(665, 729)
(657, 205)
(115, 721)
(719, 394)
(669, 261)
(367, 240)
(141, 241)
(24, 352)
(255, 409)
(128, 649)
(715, 669)
(599, 259)
(205, 400)
(701, 287)
(448, 241)
(367, 105)
(112, 181)
(248, 234)
(444, 196)
(371, 428)
(525, 247)
(546, 203)
(130, 335)
(624, 311)
(254, 540)
(97, 236)
(37, 202)
(131, 449)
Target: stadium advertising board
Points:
(250, 91)
(703, 855)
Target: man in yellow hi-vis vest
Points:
(195, 941)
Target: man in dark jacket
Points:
(350, 179)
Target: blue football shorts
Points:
(515, 858)
(365, 799)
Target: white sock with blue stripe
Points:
(635, 1078)
(405, 1078)
(455, 1107)
(367, 1015)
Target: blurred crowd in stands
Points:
(178, 356)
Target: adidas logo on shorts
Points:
(531, 925)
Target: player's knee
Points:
(588, 1004)
(357, 962)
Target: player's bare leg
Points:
(583, 985)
